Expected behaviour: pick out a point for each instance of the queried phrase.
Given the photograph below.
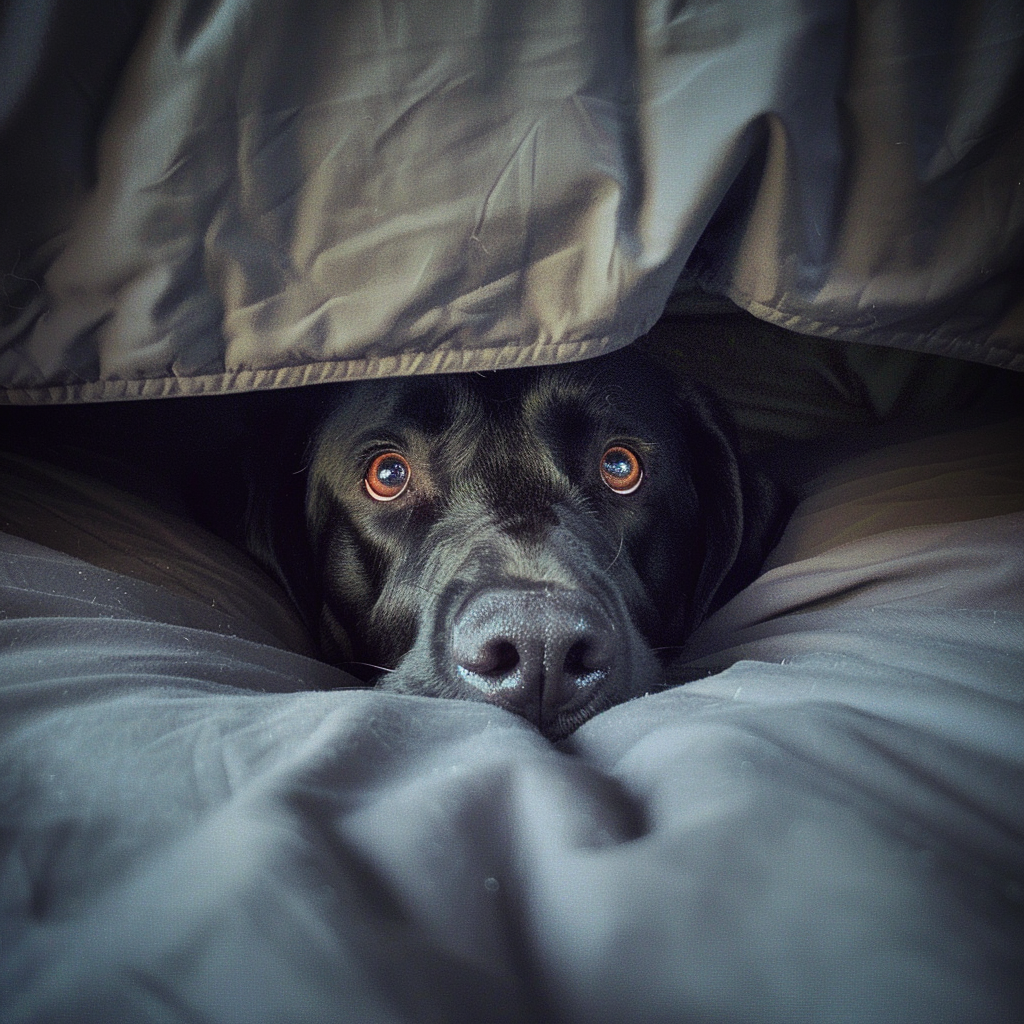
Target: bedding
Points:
(202, 196)
(824, 824)
(818, 208)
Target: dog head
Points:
(533, 538)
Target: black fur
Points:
(508, 571)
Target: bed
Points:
(815, 210)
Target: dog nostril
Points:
(579, 659)
(497, 658)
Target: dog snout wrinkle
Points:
(538, 652)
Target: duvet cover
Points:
(824, 820)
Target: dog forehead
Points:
(509, 414)
(429, 404)
(468, 410)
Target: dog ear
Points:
(275, 535)
(279, 426)
(739, 505)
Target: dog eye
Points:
(621, 470)
(387, 476)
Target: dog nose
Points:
(538, 652)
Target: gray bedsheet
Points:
(198, 827)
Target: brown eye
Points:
(387, 476)
(621, 470)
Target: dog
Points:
(542, 539)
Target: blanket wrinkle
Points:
(801, 240)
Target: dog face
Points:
(532, 538)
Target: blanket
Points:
(824, 824)
(200, 196)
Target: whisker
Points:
(367, 664)
(622, 537)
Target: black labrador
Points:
(542, 539)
